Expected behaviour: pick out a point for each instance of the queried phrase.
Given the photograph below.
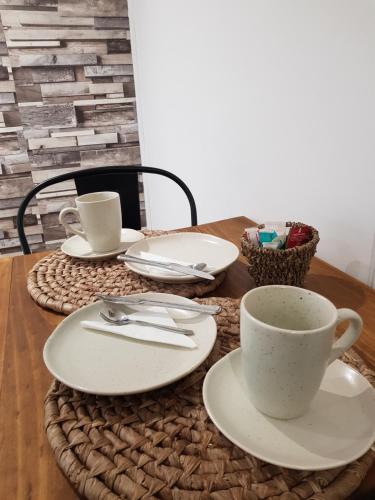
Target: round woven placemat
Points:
(162, 444)
(64, 284)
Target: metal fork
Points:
(125, 320)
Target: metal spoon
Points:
(123, 319)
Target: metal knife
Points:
(201, 308)
(171, 266)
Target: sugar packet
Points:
(252, 235)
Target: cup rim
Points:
(110, 195)
(289, 330)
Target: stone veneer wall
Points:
(67, 102)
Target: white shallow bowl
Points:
(216, 252)
(100, 363)
(80, 249)
(338, 428)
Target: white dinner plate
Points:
(100, 363)
(338, 428)
(216, 252)
(79, 248)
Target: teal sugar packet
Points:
(266, 236)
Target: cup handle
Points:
(351, 334)
(68, 227)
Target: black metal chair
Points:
(107, 179)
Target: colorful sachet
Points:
(251, 234)
(298, 236)
(278, 236)
(267, 235)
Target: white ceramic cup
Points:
(287, 342)
(100, 217)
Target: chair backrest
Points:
(106, 179)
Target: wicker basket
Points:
(280, 267)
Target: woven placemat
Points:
(162, 444)
(64, 284)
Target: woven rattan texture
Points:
(162, 444)
(280, 267)
(64, 284)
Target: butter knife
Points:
(171, 266)
(129, 300)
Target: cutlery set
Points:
(120, 318)
(192, 270)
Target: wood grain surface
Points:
(27, 466)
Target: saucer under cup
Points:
(338, 428)
(79, 248)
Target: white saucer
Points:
(100, 363)
(80, 249)
(216, 252)
(338, 428)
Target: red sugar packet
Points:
(298, 236)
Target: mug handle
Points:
(350, 335)
(68, 227)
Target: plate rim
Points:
(116, 392)
(337, 463)
(180, 279)
(104, 255)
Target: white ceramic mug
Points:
(100, 217)
(287, 342)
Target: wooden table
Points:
(27, 466)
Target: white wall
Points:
(265, 109)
